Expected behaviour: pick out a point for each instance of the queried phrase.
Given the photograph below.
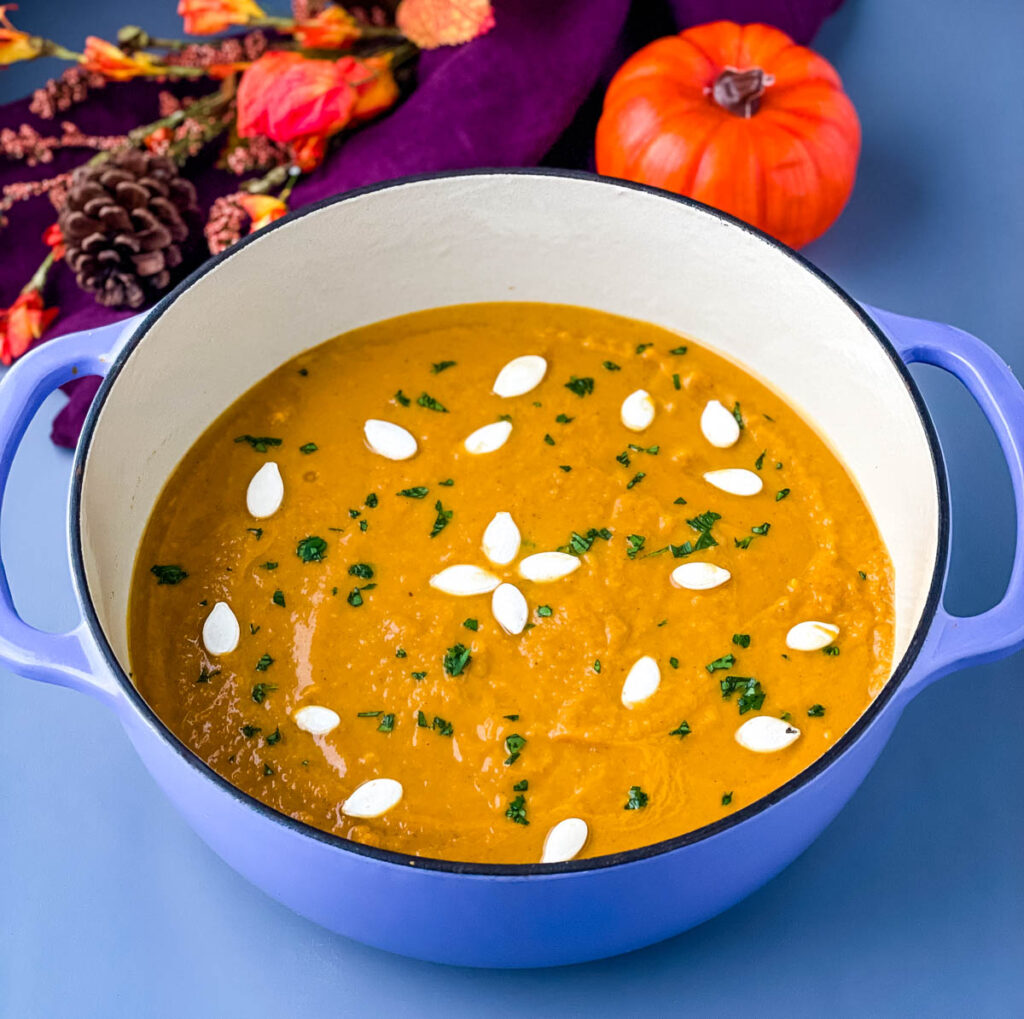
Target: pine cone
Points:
(128, 222)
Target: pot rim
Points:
(516, 870)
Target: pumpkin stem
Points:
(740, 92)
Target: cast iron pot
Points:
(491, 236)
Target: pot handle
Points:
(958, 641)
(61, 658)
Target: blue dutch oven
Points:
(506, 235)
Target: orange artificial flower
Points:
(54, 240)
(22, 324)
(262, 209)
(433, 23)
(208, 17)
(15, 45)
(114, 64)
(376, 89)
(288, 98)
(332, 29)
(308, 153)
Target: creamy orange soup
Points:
(452, 643)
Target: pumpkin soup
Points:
(508, 583)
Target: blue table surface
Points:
(912, 902)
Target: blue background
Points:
(911, 903)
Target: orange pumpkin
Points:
(739, 117)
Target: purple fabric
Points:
(503, 100)
(799, 18)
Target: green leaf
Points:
(736, 413)
(371, 500)
(725, 662)
(741, 639)
(264, 663)
(681, 730)
(563, 420)
(426, 400)
(274, 737)
(309, 447)
(260, 443)
(387, 723)
(168, 574)
(514, 747)
(544, 610)
(362, 570)
(279, 598)
(612, 366)
(471, 624)
(441, 366)
(637, 798)
(260, 691)
(517, 810)
(402, 398)
(415, 493)
(456, 659)
(580, 386)
(678, 350)
(311, 549)
(781, 494)
(726, 799)
(444, 518)
(816, 711)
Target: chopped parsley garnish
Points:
(544, 610)
(362, 570)
(641, 347)
(517, 810)
(562, 419)
(702, 524)
(367, 714)
(550, 441)
(781, 494)
(612, 366)
(674, 662)
(418, 675)
(402, 398)
(635, 543)
(637, 798)
(363, 525)
(168, 574)
(418, 492)
(623, 458)
(512, 718)
(311, 549)
(816, 711)
(759, 462)
(636, 479)
(309, 447)
(440, 366)
(278, 598)
(257, 531)
(456, 659)
(741, 639)
(355, 598)
(831, 650)
(448, 482)
(786, 716)
(426, 400)
(675, 380)
(421, 720)
(504, 417)
(371, 500)
(205, 675)
(442, 727)
(736, 413)
(581, 543)
(253, 629)
(565, 467)
(260, 691)
(581, 387)
(725, 662)
(248, 731)
(401, 653)
(260, 443)
(862, 575)
(726, 799)
(514, 747)
(756, 531)
(683, 729)
(268, 770)
(269, 566)
(387, 723)
(444, 518)
(751, 695)
(678, 350)
(521, 787)
(679, 502)
(274, 737)
(353, 513)
(264, 663)
(471, 624)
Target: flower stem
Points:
(38, 280)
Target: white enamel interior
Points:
(505, 237)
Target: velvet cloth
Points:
(509, 98)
